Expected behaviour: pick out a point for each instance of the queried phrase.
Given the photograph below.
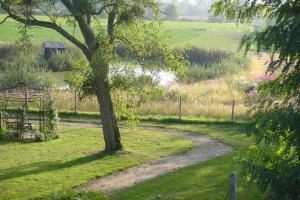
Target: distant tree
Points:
(274, 162)
(171, 12)
(124, 27)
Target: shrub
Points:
(27, 73)
(52, 120)
(198, 56)
(8, 55)
(59, 62)
(227, 66)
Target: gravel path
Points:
(204, 149)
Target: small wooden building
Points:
(53, 47)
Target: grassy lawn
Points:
(207, 181)
(29, 170)
(226, 36)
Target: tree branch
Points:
(51, 25)
(86, 30)
(100, 11)
(4, 20)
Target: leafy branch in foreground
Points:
(274, 166)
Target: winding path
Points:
(204, 149)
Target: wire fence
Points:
(217, 108)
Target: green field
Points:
(222, 36)
(29, 170)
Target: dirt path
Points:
(204, 149)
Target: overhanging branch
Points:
(51, 25)
(4, 20)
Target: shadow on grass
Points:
(7, 141)
(40, 167)
(171, 120)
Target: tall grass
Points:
(212, 64)
(8, 54)
(214, 70)
(200, 56)
(206, 99)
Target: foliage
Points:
(27, 73)
(60, 62)
(274, 165)
(227, 66)
(171, 12)
(52, 120)
(200, 56)
(3, 128)
(7, 55)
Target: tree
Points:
(171, 12)
(124, 26)
(274, 166)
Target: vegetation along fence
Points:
(218, 107)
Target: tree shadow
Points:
(172, 120)
(40, 167)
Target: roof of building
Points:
(54, 45)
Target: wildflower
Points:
(252, 92)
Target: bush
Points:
(59, 62)
(27, 73)
(3, 135)
(198, 56)
(52, 121)
(227, 66)
(8, 55)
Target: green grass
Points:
(223, 36)
(207, 181)
(216, 36)
(29, 170)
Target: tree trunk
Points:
(111, 132)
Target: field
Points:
(225, 36)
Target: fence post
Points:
(233, 110)
(26, 99)
(75, 102)
(233, 186)
(180, 107)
